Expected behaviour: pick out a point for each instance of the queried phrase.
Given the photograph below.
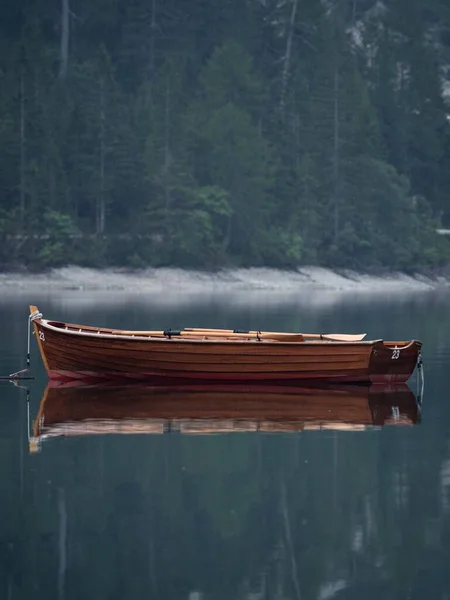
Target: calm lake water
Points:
(344, 508)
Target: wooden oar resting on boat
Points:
(78, 410)
(71, 351)
(335, 337)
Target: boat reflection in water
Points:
(78, 410)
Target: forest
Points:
(218, 133)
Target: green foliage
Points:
(242, 133)
(201, 228)
(228, 78)
(59, 235)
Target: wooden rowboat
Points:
(76, 410)
(72, 352)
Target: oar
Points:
(337, 337)
(218, 334)
(262, 335)
(193, 334)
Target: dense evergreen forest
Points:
(224, 132)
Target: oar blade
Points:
(343, 337)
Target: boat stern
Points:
(393, 362)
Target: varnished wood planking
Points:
(61, 363)
(185, 361)
(150, 352)
(64, 358)
(68, 363)
(70, 352)
(383, 364)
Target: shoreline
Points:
(254, 279)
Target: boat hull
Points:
(94, 355)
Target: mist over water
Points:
(323, 513)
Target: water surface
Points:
(260, 511)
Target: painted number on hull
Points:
(395, 354)
(42, 336)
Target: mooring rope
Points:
(420, 379)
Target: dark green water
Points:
(311, 514)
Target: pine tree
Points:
(227, 147)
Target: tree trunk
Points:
(22, 149)
(167, 155)
(100, 225)
(287, 59)
(51, 186)
(65, 32)
(336, 145)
